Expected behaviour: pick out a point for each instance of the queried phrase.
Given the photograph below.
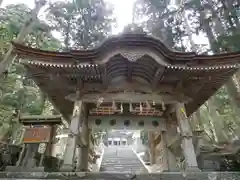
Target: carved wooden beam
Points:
(40, 117)
(133, 86)
(157, 77)
(129, 97)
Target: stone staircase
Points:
(121, 159)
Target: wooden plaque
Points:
(37, 135)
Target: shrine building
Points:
(130, 81)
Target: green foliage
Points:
(82, 24)
(15, 93)
(229, 42)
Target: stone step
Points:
(121, 159)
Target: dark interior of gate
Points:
(130, 82)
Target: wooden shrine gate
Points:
(129, 81)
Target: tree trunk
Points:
(185, 19)
(9, 57)
(218, 121)
(231, 86)
(234, 100)
(230, 13)
(234, 92)
(196, 121)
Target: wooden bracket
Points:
(158, 77)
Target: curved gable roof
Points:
(128, 42)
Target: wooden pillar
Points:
(78, 151)
(84, 148)
(161, 153)
(84, 159)
(187, 140)
(69, 155)
(170, 156)
(151, 147)
(21, 156)
(51, 145)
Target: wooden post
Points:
(170, 157)
(84, 148)
(163, 159)
(151, 147)
(69, 155)
(51, 144)
(187, 142)
(21, 156)
(78, 150)
(42, 150)
(161, 153)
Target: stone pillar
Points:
(69, 155)
(187, 140)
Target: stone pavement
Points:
(121, 176)
(121, 159)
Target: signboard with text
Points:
(37, 135)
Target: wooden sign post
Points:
(37, 135)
